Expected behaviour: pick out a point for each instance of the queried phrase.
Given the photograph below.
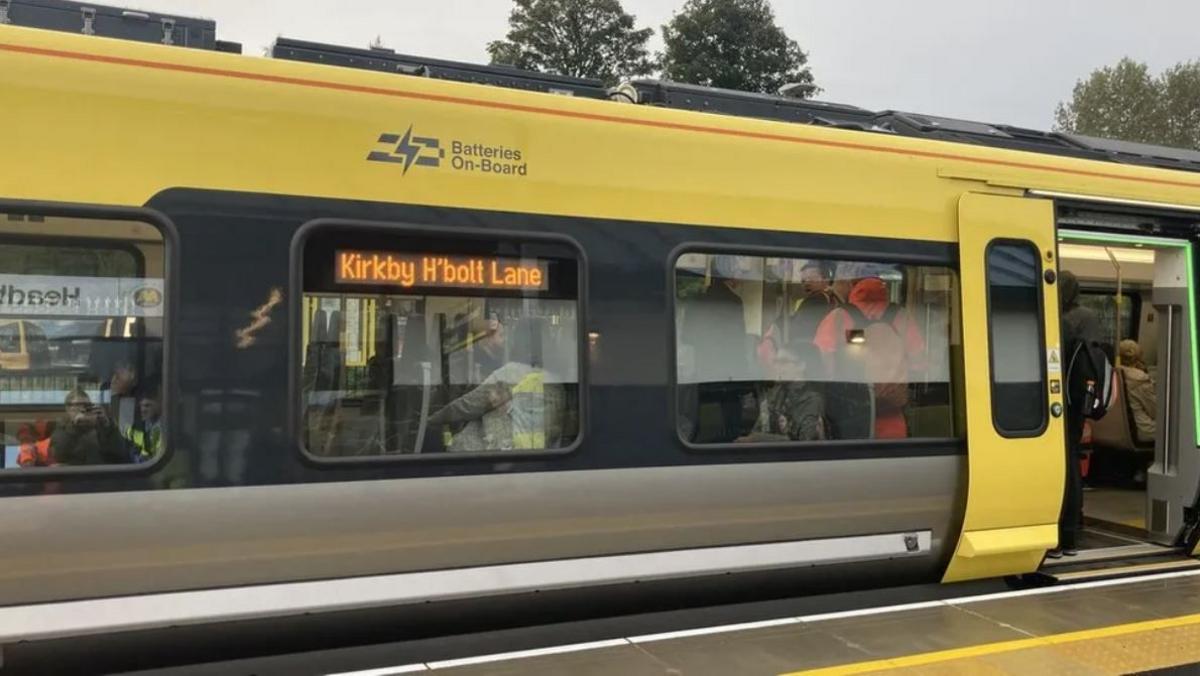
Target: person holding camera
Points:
(86, 435)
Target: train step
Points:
(1098, 571)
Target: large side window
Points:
(777, 350)
(424, 345)
(81, 342)
(1015, 338)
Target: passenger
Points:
(1079, 324)
(145, 437)
(1139, 387)
(121, 393)
(488, 345)
(818, 301)
(86, 435)
(872, 341)
(790, 408)
(35, 445)
(843, 280)
(768, 345)
(513, 408)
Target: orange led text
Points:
(408, 270)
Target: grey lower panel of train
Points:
(151, 611)
(103, 545)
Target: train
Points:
(345, 329)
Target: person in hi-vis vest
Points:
(145, 435)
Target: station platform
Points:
(1120, 626)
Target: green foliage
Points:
(689, 286)
(1126, 102)
(583, 38)
(1180, 86)
(734, 44)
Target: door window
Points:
(1015, 338)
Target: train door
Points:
(1144, 469)
(1012, 374)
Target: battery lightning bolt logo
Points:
(454, 154)
(424, 151)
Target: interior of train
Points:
(781, 342)
(81, 327)
(409, 351)
(1117, 282)
(379, 367)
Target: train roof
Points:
(681, 96)
(66, 15)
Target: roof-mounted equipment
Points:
(1129, 152)
(114, 22)
(745, 104)
(806, 111)
(980, 133)
(388, 61)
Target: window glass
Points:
(81, 328)
(1104, 304)
(789, 350)
(1015, 338)
(419, 346)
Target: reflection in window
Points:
(1113, 310)
(1015, 337)
(468, 367)
(802, 350)
(81, 328)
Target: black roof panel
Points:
(744, 104)
(1140, 153)
(389, 61)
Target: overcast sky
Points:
(1004, 62)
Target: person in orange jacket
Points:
(892, 352)
(35, 445)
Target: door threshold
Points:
(1111, 569)
(1107, 554)
(1116, 529)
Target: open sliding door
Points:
(1013, 377)
(1173, 477)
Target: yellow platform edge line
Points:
(1000, 647)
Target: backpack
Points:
(1089, 380)
(884, 359)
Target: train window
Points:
(788, 350)
(82, 307)
(1113, 311)
(1014, 279)
(419, 346)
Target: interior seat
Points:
(1116, 430)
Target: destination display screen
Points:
(437, 270)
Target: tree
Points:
(734, 44)
(1181, 105)
(583, 38)
(1126, 102)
